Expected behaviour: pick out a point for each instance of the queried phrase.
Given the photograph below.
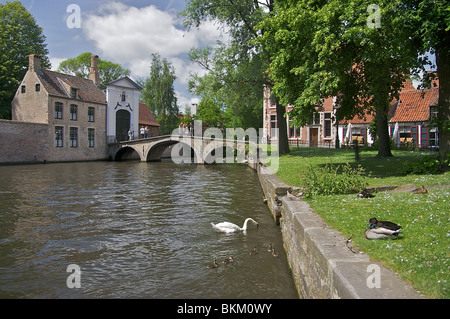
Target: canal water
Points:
(137, 230)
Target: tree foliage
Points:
(20, 36)
(159, 93)
(210, 113)
(81, 66)
(236, 69)
(432, 24)
(324, 49)
(234, 84)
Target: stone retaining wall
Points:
(322, 264)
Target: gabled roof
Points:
(55, 83)
(414, 106)
(125, 82)
(146, 117)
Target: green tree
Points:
(20, 36)
(159, 93)
(431, 19)
(210, 113)
(81, 66)
(342, 49)
(236, 85)
(237, 72)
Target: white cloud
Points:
(128, 35)
(55, 62)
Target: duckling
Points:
(228, 260)
(422, 190)
(254, 252)
(381, 229)
(365, 194)
(214, 265)
(270, 248)
(274, 253)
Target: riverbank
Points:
(322, 263)
(419, 256)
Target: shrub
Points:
(333, 180)
(424, 166)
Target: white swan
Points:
(227, 227)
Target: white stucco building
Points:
(122, 96)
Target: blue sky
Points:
(125, 32)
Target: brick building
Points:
(74, 109)
(62, 118)
(413, 112)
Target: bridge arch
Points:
(127, 153)
(183, 150)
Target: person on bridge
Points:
(130, 135)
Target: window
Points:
(273, 126)
(327, 125)
(58, 110)
(59, 136)
(24, 89)
(38, 87)
(73, 93)
(73, 112)
(294, 132)
(424, 136)
(405, 132)
(434, 140)
(73, 137)
(91, 114)
(434, 113)
(91, 137)
(315, 119)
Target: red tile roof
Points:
(146, 117)
(415, 105)
(87, 90)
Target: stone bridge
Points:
(186, 149)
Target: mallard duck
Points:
(228, 260)
(421, 190)
(381, 229)
(270, 248)
(227, 227)
(274, 253)
(254, 252)
(213, 265)
(365, 194)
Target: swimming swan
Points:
(227, 227)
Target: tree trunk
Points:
(384, 145)
(443, 66)
(283, 141)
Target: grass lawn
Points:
(421, 253)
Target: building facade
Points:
(320, 132)
(62, 118)
(411, 113)
(73, 108)
(123, 109)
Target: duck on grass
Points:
(382, 229)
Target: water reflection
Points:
(136, 230)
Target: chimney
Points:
(34, 62)
(94, 75)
